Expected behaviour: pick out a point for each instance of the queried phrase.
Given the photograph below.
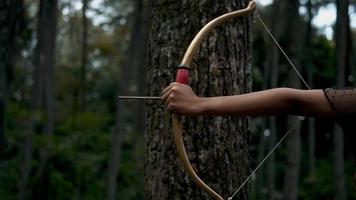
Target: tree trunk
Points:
(291, 179)
(83, 69)
(339, 163)
(141, 66)
(309, 69)
(2, 127)
(343, 46)
(12, 27)
(261, 173)
(47, 31)
(273, 62)
(216, 146)
(125, 78)
(342, 41)
(48, 56)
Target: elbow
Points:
(291, 100)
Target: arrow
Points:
(139, 98)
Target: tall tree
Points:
(12, 30)
(2, 127)
(291, 26)
(343, 50)
(140, 65)
(309, 69)
(83, 69)
(131, 61)
(342, 41)
(216, 146)
(273, 61)
(43, 80)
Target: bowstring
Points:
(263, 161)
(284, 53)
(295, 124)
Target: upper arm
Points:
(343, 102)
(313, 103)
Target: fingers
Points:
(181, 99)
(168, 88)
(169, 94)
(166, 92)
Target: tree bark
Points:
(216, 146)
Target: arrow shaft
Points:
(139, 97)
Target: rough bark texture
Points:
(292, 169)
(343, 48)
(216, 146)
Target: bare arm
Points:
(181, 99)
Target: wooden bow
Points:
(182, 77)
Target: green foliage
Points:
(131, 176)
(318, 58)
(8, 178)
(319, 184)
(78, 156)
(80, 148)
(259, 55)
(322, 61)
(64, 188)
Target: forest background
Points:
(62, 68)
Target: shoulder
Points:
(343, 102)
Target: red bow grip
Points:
(182, 75)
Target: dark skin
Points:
(181, 99)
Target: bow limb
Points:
(182, 77)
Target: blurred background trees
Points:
(64, 134)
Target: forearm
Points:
(181, 99)
(269, 102)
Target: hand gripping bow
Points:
(182, 77)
